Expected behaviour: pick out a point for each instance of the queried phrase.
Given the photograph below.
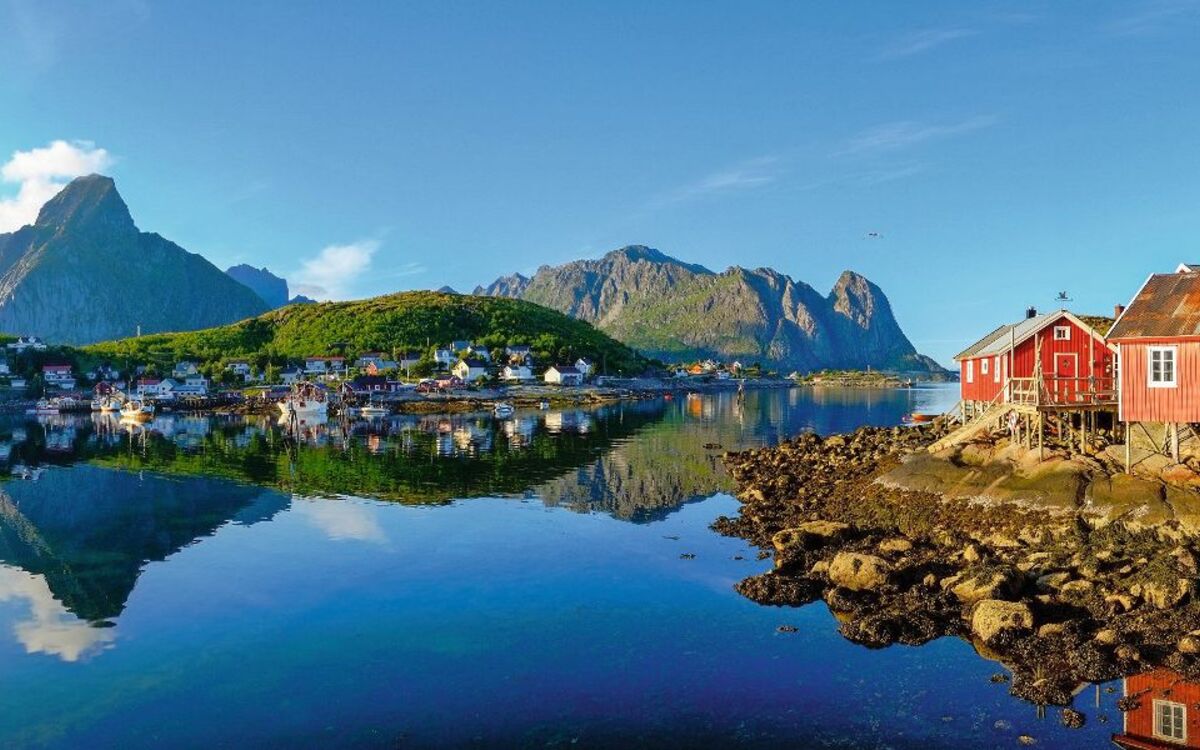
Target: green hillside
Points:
(407, 320)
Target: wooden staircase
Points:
(992, 414)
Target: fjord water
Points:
(454, 580)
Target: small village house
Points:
(366, 359)
(322, 366)
(291, 375)
(1072, 363)
(469, 370)
(461, 345)
(27, 342)
(195, 385)
(516, 373)
(183, 369)
(563, 375)
(104, 388)
(1165, 715)
(481, 352)
(585, 366)
(58, 376)
(240, 368)
(518, 352)
(444, 356)
(1157, 337)
(408, 360)
(4, 368)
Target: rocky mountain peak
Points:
(636, 253)
(272, 288)
(89, 203)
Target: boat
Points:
(111, 404)
(544, 405)
(503, 410)
(47, 406)
(916, 418)
(139, 411)
(305, 402)
(374, 411)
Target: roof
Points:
(999, 340)
(566, 370)
(1167, 305)
(473, 362)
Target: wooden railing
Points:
(1053, 390)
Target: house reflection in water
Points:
(1162, 710)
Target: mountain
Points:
(407, 320)
(272, 289)
(680, 311)
(83, 272)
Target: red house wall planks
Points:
(1162, 685)
(1140, 402)
(1076, 356)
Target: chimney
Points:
(1117, 310)
(1030, 312)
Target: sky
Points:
(972, 159)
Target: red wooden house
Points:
(1076, 361)
(1158, 343)
(1165, 714)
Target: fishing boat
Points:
(305, 402)
(111, 404)
(374, 411)
(136, 410)
(503, 410)
(916, 418)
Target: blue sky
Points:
(1003, 152)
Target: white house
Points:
(481, 352)
(290, 376)
(27, 342)
(155, 388)
(366, 359)
(408, 360)
(193, 385)
(517, 352)
(240, 368)
(460, 346)
(444, 357)
(563, 375)
(325, 365)
(585, 366)
(516, 373)
(184, 369)
(58, 376)
(470, 370)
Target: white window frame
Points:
(970, 371)
(996, 369)
(1174, 352)
(1183, 721)
(983, 366)
(1062, 333)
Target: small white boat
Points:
(111, 404)
(47, 406)
(306, 402)
(137, 410)
(503, 410)
(544, 405)
(374, 411)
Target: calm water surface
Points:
(446, 581)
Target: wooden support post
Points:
(1041, 427)
(1175, 442)
(1126, 430)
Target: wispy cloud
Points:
(332, 272)
(924, 40)
(41, 172)
(1152, 17)
(893, 136)
(745, 175)
(49, 628)
(341, 520)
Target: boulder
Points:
(1167, 594)
(999, 583)
(991, 617)
(809, 535)
(895, 545)
(859, 572)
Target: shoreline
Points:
(1063, 587)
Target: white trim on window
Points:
(970, 371)
(1170, 721)
(1162, 366)
(983, 366)
(1062, 333)
(996, 368)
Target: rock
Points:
(1052, 581)
(990, 617)
(972, 554)
(809, 535)
(787, 629)
(1165, 595)
(819, 568)
(1076, 588)
(1106, 637)
(1002, 583)
(859, 572)
(1027, 740)
(1189, 644)
(1120, 602)
(929, 581)
(895, 545)
(1071, 718)
(1128, 653)
(1050, 629)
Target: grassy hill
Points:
(407, 320)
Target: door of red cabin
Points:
(1066, 370)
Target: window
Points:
(1170, 721)
(1161, 367)
(1062, 333)
(996, 369)
(983, 367)
(970, 371)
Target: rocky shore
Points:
(1064, 571)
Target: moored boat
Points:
(305, 402)
(374, 411)
(503, 410)
(47, 406)
(136, 410)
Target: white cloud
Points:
(50, 627)
(922, 41)
(748, 174)
(897, 135)
(331, 273)
(341, 520)
(41, 172)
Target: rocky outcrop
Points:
(84, 273)
(679, 311)
(272, 289)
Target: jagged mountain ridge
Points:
(272, 289)
(83, 272)
(678, 311)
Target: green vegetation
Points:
(851, 379)
(408, 320)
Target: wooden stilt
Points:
(1126, 447)
(1175, 442)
